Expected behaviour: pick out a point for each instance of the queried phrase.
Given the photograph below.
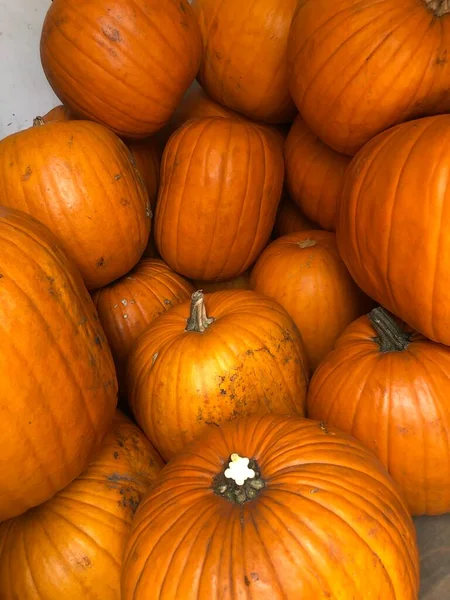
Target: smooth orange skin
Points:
(314, 174)
(127, 66)
(58, 113)
(244, 62)
(242, 282)
(329, 524)
(313, 285)
(58, 383)
(392, 231)
(78, 178)
(290, 219)
(74, 542)
(396, 403)
(221, 182)
(250, 360)
(359, 67)
(127, 306)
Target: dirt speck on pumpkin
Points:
(116, 455)
(84, 561)
(98, 341)
(254, 576)
(111, 33)
(118, 176)
(246, 580)
(100, 262)
(26, 176)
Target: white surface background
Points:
(24, 90)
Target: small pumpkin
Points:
(244, 62)
(74, 542)
(58, 113)
(92, 67)
(78, 178)
(350, 66)
(304, 272)
(229, 354)
(272, 507)
(393, 223)
(128, 305)
(58, 384)
(238, 283)
(147, 156)
(388, 387)
(290, 219)
(221, 182)
(314, 174)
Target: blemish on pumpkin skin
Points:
(112, 34)
(100, 262)
(26, 176)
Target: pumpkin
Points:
(272, 507)
(229, 354)
(78, 178)
(314, 174)
(128, 305)
(58, 113)
(221, 182)
(147, 157)
(117, 67)
(238, 283)
(389, 388)
(58, 384)
(350, 66)
(244, 63)
(74, 542)
(392, 231)
(304, 272)
(290, 219)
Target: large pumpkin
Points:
(304, 272)
(58, 384)
(74, 542)
(78, 178)
(221, 182)
(228, 354)
(244, 62)
(290, 219)
(272, 508)
(359, 67)
(128, 305)
(127, 66)
(389, 388)
(393, 231)
(314, 174)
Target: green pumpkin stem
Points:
(390, 336)
(198, 319)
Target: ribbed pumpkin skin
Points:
(221, 182)
(74, 542)
(289, 219)
(359, 67)
(314, 174)
(329, 524)
(250, 360)
(244, 62)
(147, 156)
(396, 403)
(77, 178)
(304, 272)
(91, 63)
(238, 283)
(128, 305)
(392, 232)
(58, 113)
(58, 384)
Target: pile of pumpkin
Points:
(296, 266)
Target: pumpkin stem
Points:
(438, 7)
(198, 320)
(239, 481)
(391, 337)
(38, 122)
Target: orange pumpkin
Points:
(75, 541)
(147, 157)
(221, 182)
(315, 515)
(238, 283)
(389, 388)
(128, 305)
(58, 384)
(126, 66)
(289, 219)
(314, 174)
(78, 178)
(393, 225)
(304, 272)
(357, 68)
(230, 354)
(58, 113)
(244, 62)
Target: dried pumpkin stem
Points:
(239, 481)
(198, 319)
(38, 122)
(391, 337)
(438, 7)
